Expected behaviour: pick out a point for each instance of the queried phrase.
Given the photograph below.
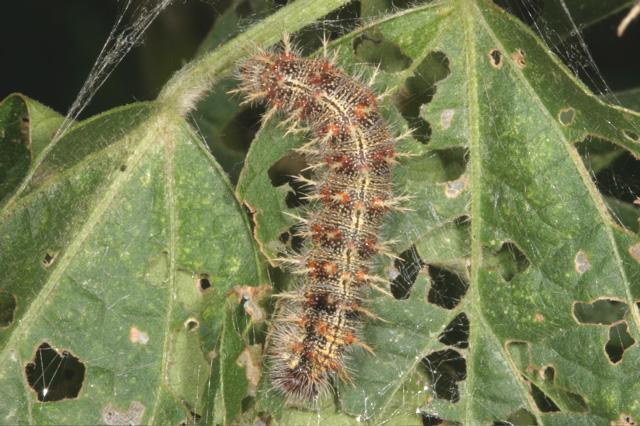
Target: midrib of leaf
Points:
(100, 207)
(468, 11)
(169, 148)
(596, 198)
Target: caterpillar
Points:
(352, 152)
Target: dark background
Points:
(49, 46)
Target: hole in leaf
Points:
(49, 258)
(203, 282)
(520, 417)
(549, 373)
(194, 417)
(619, 341)
(447, 288)
(407, 267)
(457, 332)
(372, 48)
(8, 305)
(191, 324)
(575, 402)
(248, 402)
(566, 116)
(297, 240)
(542, 400)
(419, 90)
(511, 261)
(430, 420)
(454, 164)
(495, 58)
(239, 132)
(284, 237)
(616, 174)
(53, 375)
(602, 311)
(282, 172)
(445, 368)
(632, 136)
(528, 11)
(572, 401)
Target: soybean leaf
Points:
(497, 172)
(117, 231)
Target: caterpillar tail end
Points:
(298, 386)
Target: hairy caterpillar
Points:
(352, 153)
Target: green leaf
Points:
(26, 128)
(115, 230)
(118, 249)
(506, 218)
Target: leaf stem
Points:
(194, 80)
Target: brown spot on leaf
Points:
(634, 251)
(249, 359)
(454, 188)
(624, 420)
(581, 262)
(138, 336)
(133, 416)
(251, 297)
(538, 317)
(446, 117)
(519, 58)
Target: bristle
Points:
(351, 154)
